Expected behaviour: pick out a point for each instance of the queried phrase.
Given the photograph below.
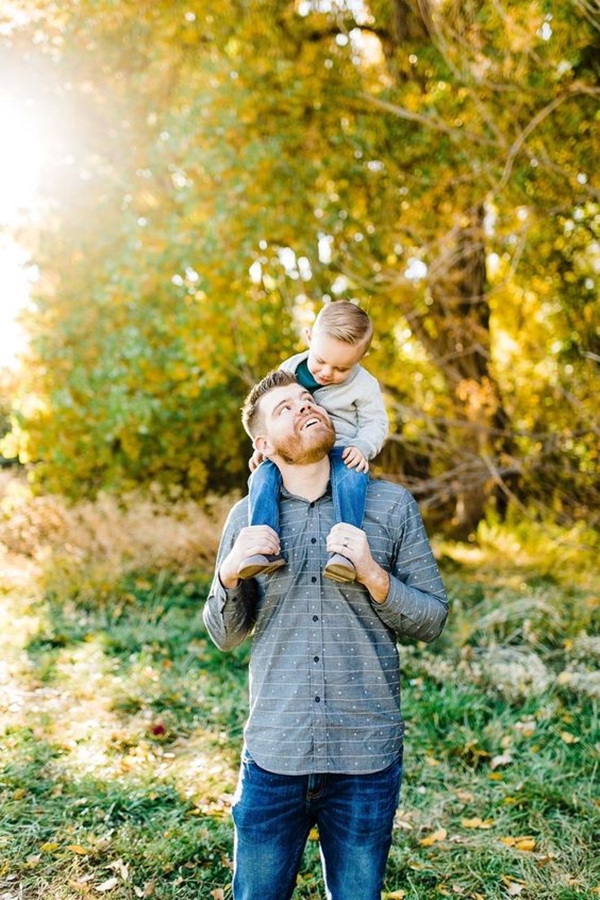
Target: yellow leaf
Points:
(48, 847)
(522, 842)
(568, 738)
(526, 843)
(434, 837)
(77, 848)
(432, 761)
(313, 834)
(476, 822)
(395, 895)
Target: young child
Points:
(330, 370)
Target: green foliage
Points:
(231, 167)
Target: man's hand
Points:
(255, 460)
(355, 459)
(352, 543)
(251, 540)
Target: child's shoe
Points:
(338, 568)
(260, 564)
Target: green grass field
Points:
(121, 725)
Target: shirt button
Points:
(313, 579)
(315, 618)
(312, 505)
(316, 658)
(317, 699)
(313, 540)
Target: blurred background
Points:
(183, 185)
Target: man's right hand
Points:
(252, 540)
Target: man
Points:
(323, 741)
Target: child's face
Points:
(330, 361)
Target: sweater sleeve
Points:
(372, 422)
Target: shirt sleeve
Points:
(417, 604)
(230, 615)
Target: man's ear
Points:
(261, 444)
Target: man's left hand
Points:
(352, 543)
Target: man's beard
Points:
(308, 446)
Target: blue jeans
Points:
(273, 815)
(348, 487)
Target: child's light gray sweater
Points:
(355, 406)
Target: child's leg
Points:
(263, 495)
(349, 490)
(263, 509)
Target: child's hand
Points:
(354, 459)
(255, 460)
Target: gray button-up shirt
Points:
(324, 668)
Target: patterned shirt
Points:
(324, 667)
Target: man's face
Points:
(331, 361)
(294, 428)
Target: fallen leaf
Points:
(218, 894)
(432, 761)
(77, 848)
(80, 885)
(514, 886)
(439, 835)
(395, 895)
(503, 759)
(120, 868)
(107, 885)
(48, 847)
(569, 738)
(313, 834)
(476, 822)
(525, 842)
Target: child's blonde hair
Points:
(345, 321)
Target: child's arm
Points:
(372, 423)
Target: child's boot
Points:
(260, 564)
(338, 568)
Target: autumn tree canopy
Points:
(219, 169)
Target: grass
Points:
(120, 723)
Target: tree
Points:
(432, 161)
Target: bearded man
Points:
(324, 738)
